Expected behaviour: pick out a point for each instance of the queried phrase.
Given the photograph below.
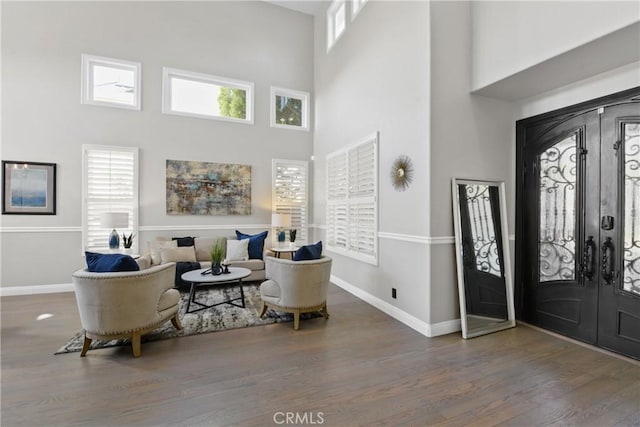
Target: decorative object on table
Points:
(401, 173)
(221, 318)
(127, 242)
(217, 254)
(201, 188)
(280, 221)
(292, 235)
(29, 188)
(225, 268)
(114, 220)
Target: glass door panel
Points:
(558, 189)
(631, 262)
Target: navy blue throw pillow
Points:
(256, 243)
(309, 252)
(184, 241)
(107, 263)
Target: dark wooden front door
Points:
(578, 233)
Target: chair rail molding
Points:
(78, 229)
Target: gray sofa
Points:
(202, 247)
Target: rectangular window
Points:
(336, 21)
(352, 209)
(111, 82)
(110, 184)
(210, 97)
(291, 194)
(289, 109)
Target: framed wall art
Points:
(29, 188)
(203, 188)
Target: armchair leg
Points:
(85, 346)
(263, 310)
(296, 319)
(324, 311)
(176, 322)
(135, 343)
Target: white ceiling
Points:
(310, 7)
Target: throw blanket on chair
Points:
(181, 268)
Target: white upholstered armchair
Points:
(296, 286)
(126, 304)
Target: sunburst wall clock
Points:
(401, 173)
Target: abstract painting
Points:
(201, 188)
(29, 188)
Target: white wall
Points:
(511, 36)
(471, 137)
(43, 120)
(376, 78)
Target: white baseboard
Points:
(414, 323)
(34, 290)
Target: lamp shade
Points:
(114, 220)
(281, 220)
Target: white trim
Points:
(86, 87)
(35, 290)
(393, 311)
(404, 237)
(444, 328)
(41, 229)
(290, 93)
(78, 229)
(168, 73)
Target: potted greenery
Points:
(217, 254)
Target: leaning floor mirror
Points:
(485, 284)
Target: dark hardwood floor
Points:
(360, 367)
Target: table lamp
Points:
(280, 221)
(114, 220)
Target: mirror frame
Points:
(510, 322)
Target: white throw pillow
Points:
(179, 254)
(238, 250)
(155, 247)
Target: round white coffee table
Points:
(203, 276)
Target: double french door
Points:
(578, 237)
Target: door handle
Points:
(608, 261)
(588, 258)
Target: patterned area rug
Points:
(219, 318)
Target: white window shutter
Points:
(291, 194)
(110, 184)
(352, 212)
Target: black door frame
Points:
(553, 118)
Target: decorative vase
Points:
(281, 236)
(292, 235)
(216, 269)
(114, 240)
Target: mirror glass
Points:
(485, 283)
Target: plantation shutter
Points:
(110, 184)
(290, 194)
(352, 223)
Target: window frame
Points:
(168, 73)
(290, 93)
(302, 228)
(87, 202)
(340, 203)
(356, 8)
(86, 86)
(332, 11)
